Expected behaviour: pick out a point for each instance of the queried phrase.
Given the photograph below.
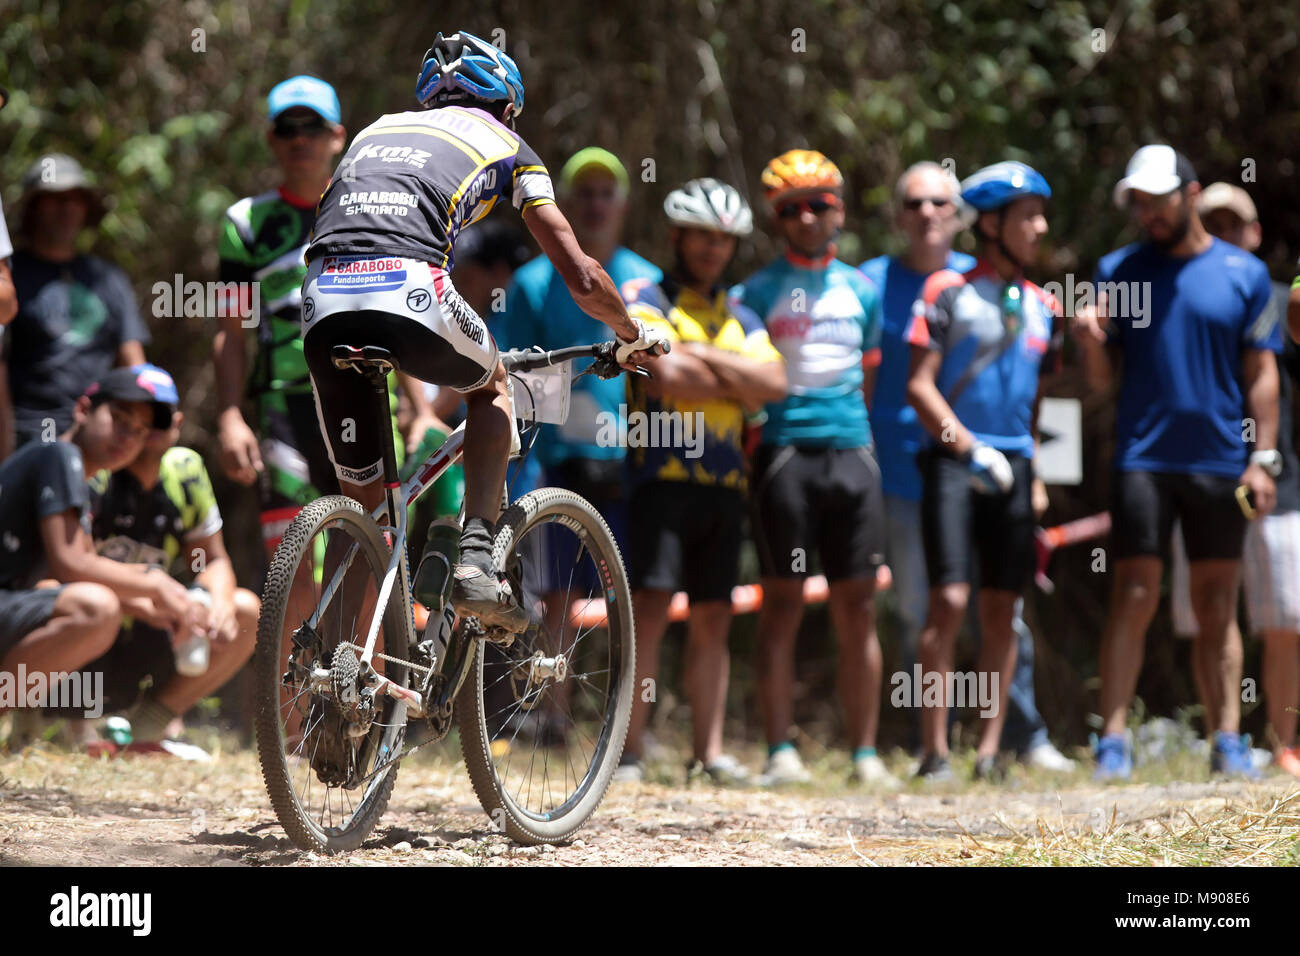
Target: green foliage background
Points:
(175, 134)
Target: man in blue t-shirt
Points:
(815, 483)
(540, 311)
(1191, 318)
(925, 206)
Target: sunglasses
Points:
(288, 129)
(817, 207)
(914, 205)
(1013, 309)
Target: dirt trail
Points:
(58, 808)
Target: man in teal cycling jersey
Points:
(816, 484)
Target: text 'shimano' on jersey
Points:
(410, 181)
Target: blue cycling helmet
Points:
(993, 187)
(465, 67)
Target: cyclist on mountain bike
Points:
(378, 274)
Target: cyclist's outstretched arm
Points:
(587, 281)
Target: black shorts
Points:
(1146, 504)
(826, 500)
(687, 537)
(957, 520)
(345, 404)
(22, 612)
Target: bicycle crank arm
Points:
(411, 699)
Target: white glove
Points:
(990, 472)
(647, 340)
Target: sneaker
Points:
(782, 768)
(872, 772)
(1046, 757)
(724, 770)
(988, 769)
(488, 597)
(1289, 760)
(1231, 756)
(935, 769)
(630, 770)
(1114, 759)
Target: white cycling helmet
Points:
(709, 204)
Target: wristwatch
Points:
(1270, 461)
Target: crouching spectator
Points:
(61, 603)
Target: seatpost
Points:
(379, 382)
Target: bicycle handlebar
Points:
(604, 366)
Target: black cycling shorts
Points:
(687, 537)
(825, 501)
(346, 405)
(957, 520)
(1146, 504)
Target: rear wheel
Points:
(543, 721)
(325, 740)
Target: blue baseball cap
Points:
(304, 91)
(139, 383)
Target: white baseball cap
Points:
(1156, 170)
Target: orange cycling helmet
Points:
(800, 170)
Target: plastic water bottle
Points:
(194, 653)
(432, 584)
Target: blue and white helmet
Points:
(993, 187)
(465, 67)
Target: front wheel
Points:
(543, 721)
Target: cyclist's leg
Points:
(851, 542)
(782, 535)
(1004, 536)
(946, 530)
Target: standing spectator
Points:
(1198, 358)
(1272, 550)
(8, 309)
(816, 484)
(77, 315)
(687, 507)
(925, 212)
(263, 239)
(593, 189)
(978, 340)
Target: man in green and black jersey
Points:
(262, 243)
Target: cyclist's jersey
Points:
(262, 240)
(669, 447)
(989, 373)
(897, 433)
(150, 526)
(410, 181)
(824, 318)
